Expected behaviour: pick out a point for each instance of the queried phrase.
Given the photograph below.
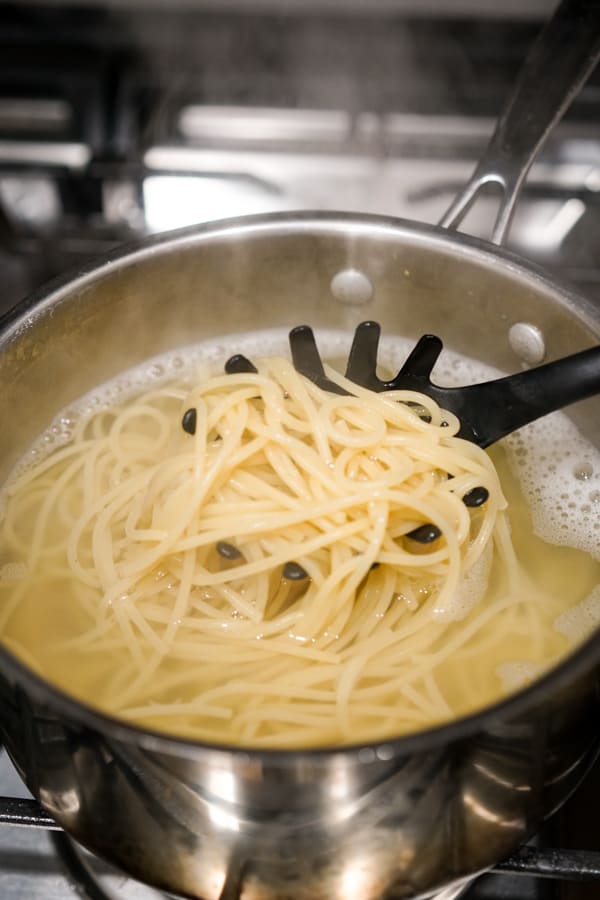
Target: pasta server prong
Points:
(487, 411)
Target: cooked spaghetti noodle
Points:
(257, 577)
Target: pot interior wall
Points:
(212, 283)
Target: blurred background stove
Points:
(122, 119)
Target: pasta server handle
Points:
(493, 409)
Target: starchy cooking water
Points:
(550, 476)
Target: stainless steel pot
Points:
(396, 819)
(384, 820)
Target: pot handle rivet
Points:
(351, 287)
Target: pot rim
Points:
(289, 222)
(573, 665)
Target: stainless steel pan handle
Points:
(555, 69)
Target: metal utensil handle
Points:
(556, 68)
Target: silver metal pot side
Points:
(390, 820)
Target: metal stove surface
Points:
(129, 120)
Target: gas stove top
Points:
(123, 119)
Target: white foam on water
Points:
(518, 673)
(559, 474)
(471, 589)
(12, 571)
(581, 620)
